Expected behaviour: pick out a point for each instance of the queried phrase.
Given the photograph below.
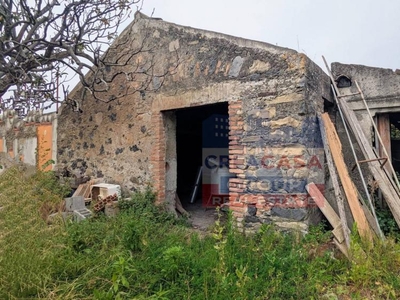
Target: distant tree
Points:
(43, 42)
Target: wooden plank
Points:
(331, 215)
(323, 205)
(79, 191)
(335, 183)
(350, 190)
(338, 233)
(370, 219)
(389, 191)
(85, 189)
(364, 183)
(327, 210)
(386, 154)
(341, 247)
(82, 190)
(383, 126)
(92, 182)
(363, 142)
(179, 207)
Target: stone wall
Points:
(273, 96)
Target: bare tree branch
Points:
(42, 41)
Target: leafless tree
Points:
(43, 42)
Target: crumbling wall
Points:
(381, 89)
(273, 95)
(31, 140)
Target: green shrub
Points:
(145, 253)
(388, 223)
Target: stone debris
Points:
(101, 203)
(82, 214)
(77, 205)
(85, 189)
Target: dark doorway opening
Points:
(189, 145)
(395, 140)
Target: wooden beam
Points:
(323, 205)
(383, 125)
(349, 188)
(335, 183)
(79, 191)
(389, 191)
(179, 207)
(370, 219)
(341, 247)
(392, 173)
(330, 214)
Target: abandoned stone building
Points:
(220, 119)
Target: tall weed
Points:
(145, 253)
(27, 244)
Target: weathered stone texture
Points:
(273, 94)
(381, 88)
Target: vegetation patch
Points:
(145, 253)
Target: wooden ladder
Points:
(387, 182)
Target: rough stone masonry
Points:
(273, 96)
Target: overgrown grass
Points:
(144, 253)
(27, 247)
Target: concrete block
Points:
(111, 209)
(74, 203)
(104, 190)
(81, 214)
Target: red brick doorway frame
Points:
(162, 160)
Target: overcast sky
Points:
(349, 31)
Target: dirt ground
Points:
(201, 218)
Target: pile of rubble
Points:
(100, 196)
(102, 202)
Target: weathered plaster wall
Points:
(273, 95)
(26, 140)
(381, 88)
